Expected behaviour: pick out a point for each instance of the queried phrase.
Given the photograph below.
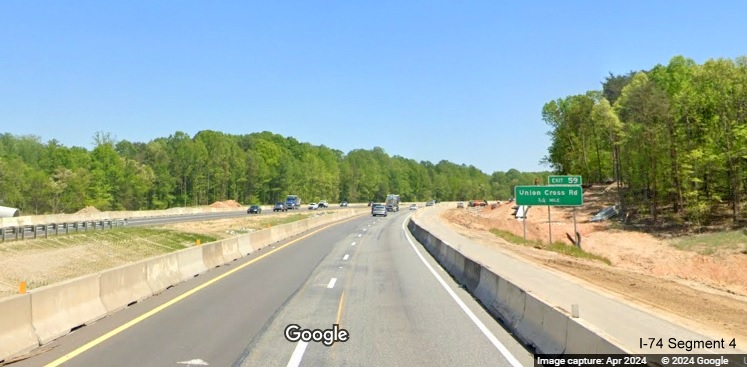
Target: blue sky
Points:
(463, 81)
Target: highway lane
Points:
(393, 306)
(396, 310)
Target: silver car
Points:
(378, 210)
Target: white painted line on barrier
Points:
(345, 257)
(332, 283)
(297, 354)
(497, 343)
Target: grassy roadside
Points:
(712, 243)
(271, 222)
(46, 261)
(162, 240)
(558, 247)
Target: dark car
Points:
(254, 209)
(280, 207)
(344, 203)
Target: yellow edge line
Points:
(339, 309)
(162, 307)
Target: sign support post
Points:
(575, 231)
(549, 223)
(525, 228)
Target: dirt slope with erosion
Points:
(705, 291)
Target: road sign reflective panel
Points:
(551, 195)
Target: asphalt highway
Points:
(368, 275)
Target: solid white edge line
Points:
(497, 343)
(332, 283)
(353, 244)
(297, 354)
(345, 257)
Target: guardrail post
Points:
(23, 232)
(2, 232)
(33, 228)
(46, 231)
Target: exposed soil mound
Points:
(88, 210)
(225, 204)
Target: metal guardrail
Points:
(20, 233)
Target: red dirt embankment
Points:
(708, 289)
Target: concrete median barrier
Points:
(277, 233)
(191, 262)
(583, 339)
(245, 244)
(163, 272)
(16, 330)
(457, 270)
(58, 308)
(260, 239)
(553, 338)
(511, 302)
(441, 252)
(124, 285)
(471, 274)
(231, 249)
(449, 259)
(529, 327)
(487, 290)
(212, 254)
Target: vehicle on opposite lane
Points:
(254, 209)
(279, 207)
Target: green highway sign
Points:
(564, 180)
(557, 195)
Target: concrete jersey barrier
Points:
(17, 335)
(56, 309)
(124, 285)
(163, 272)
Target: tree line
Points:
(181, 170)
(674, 138)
